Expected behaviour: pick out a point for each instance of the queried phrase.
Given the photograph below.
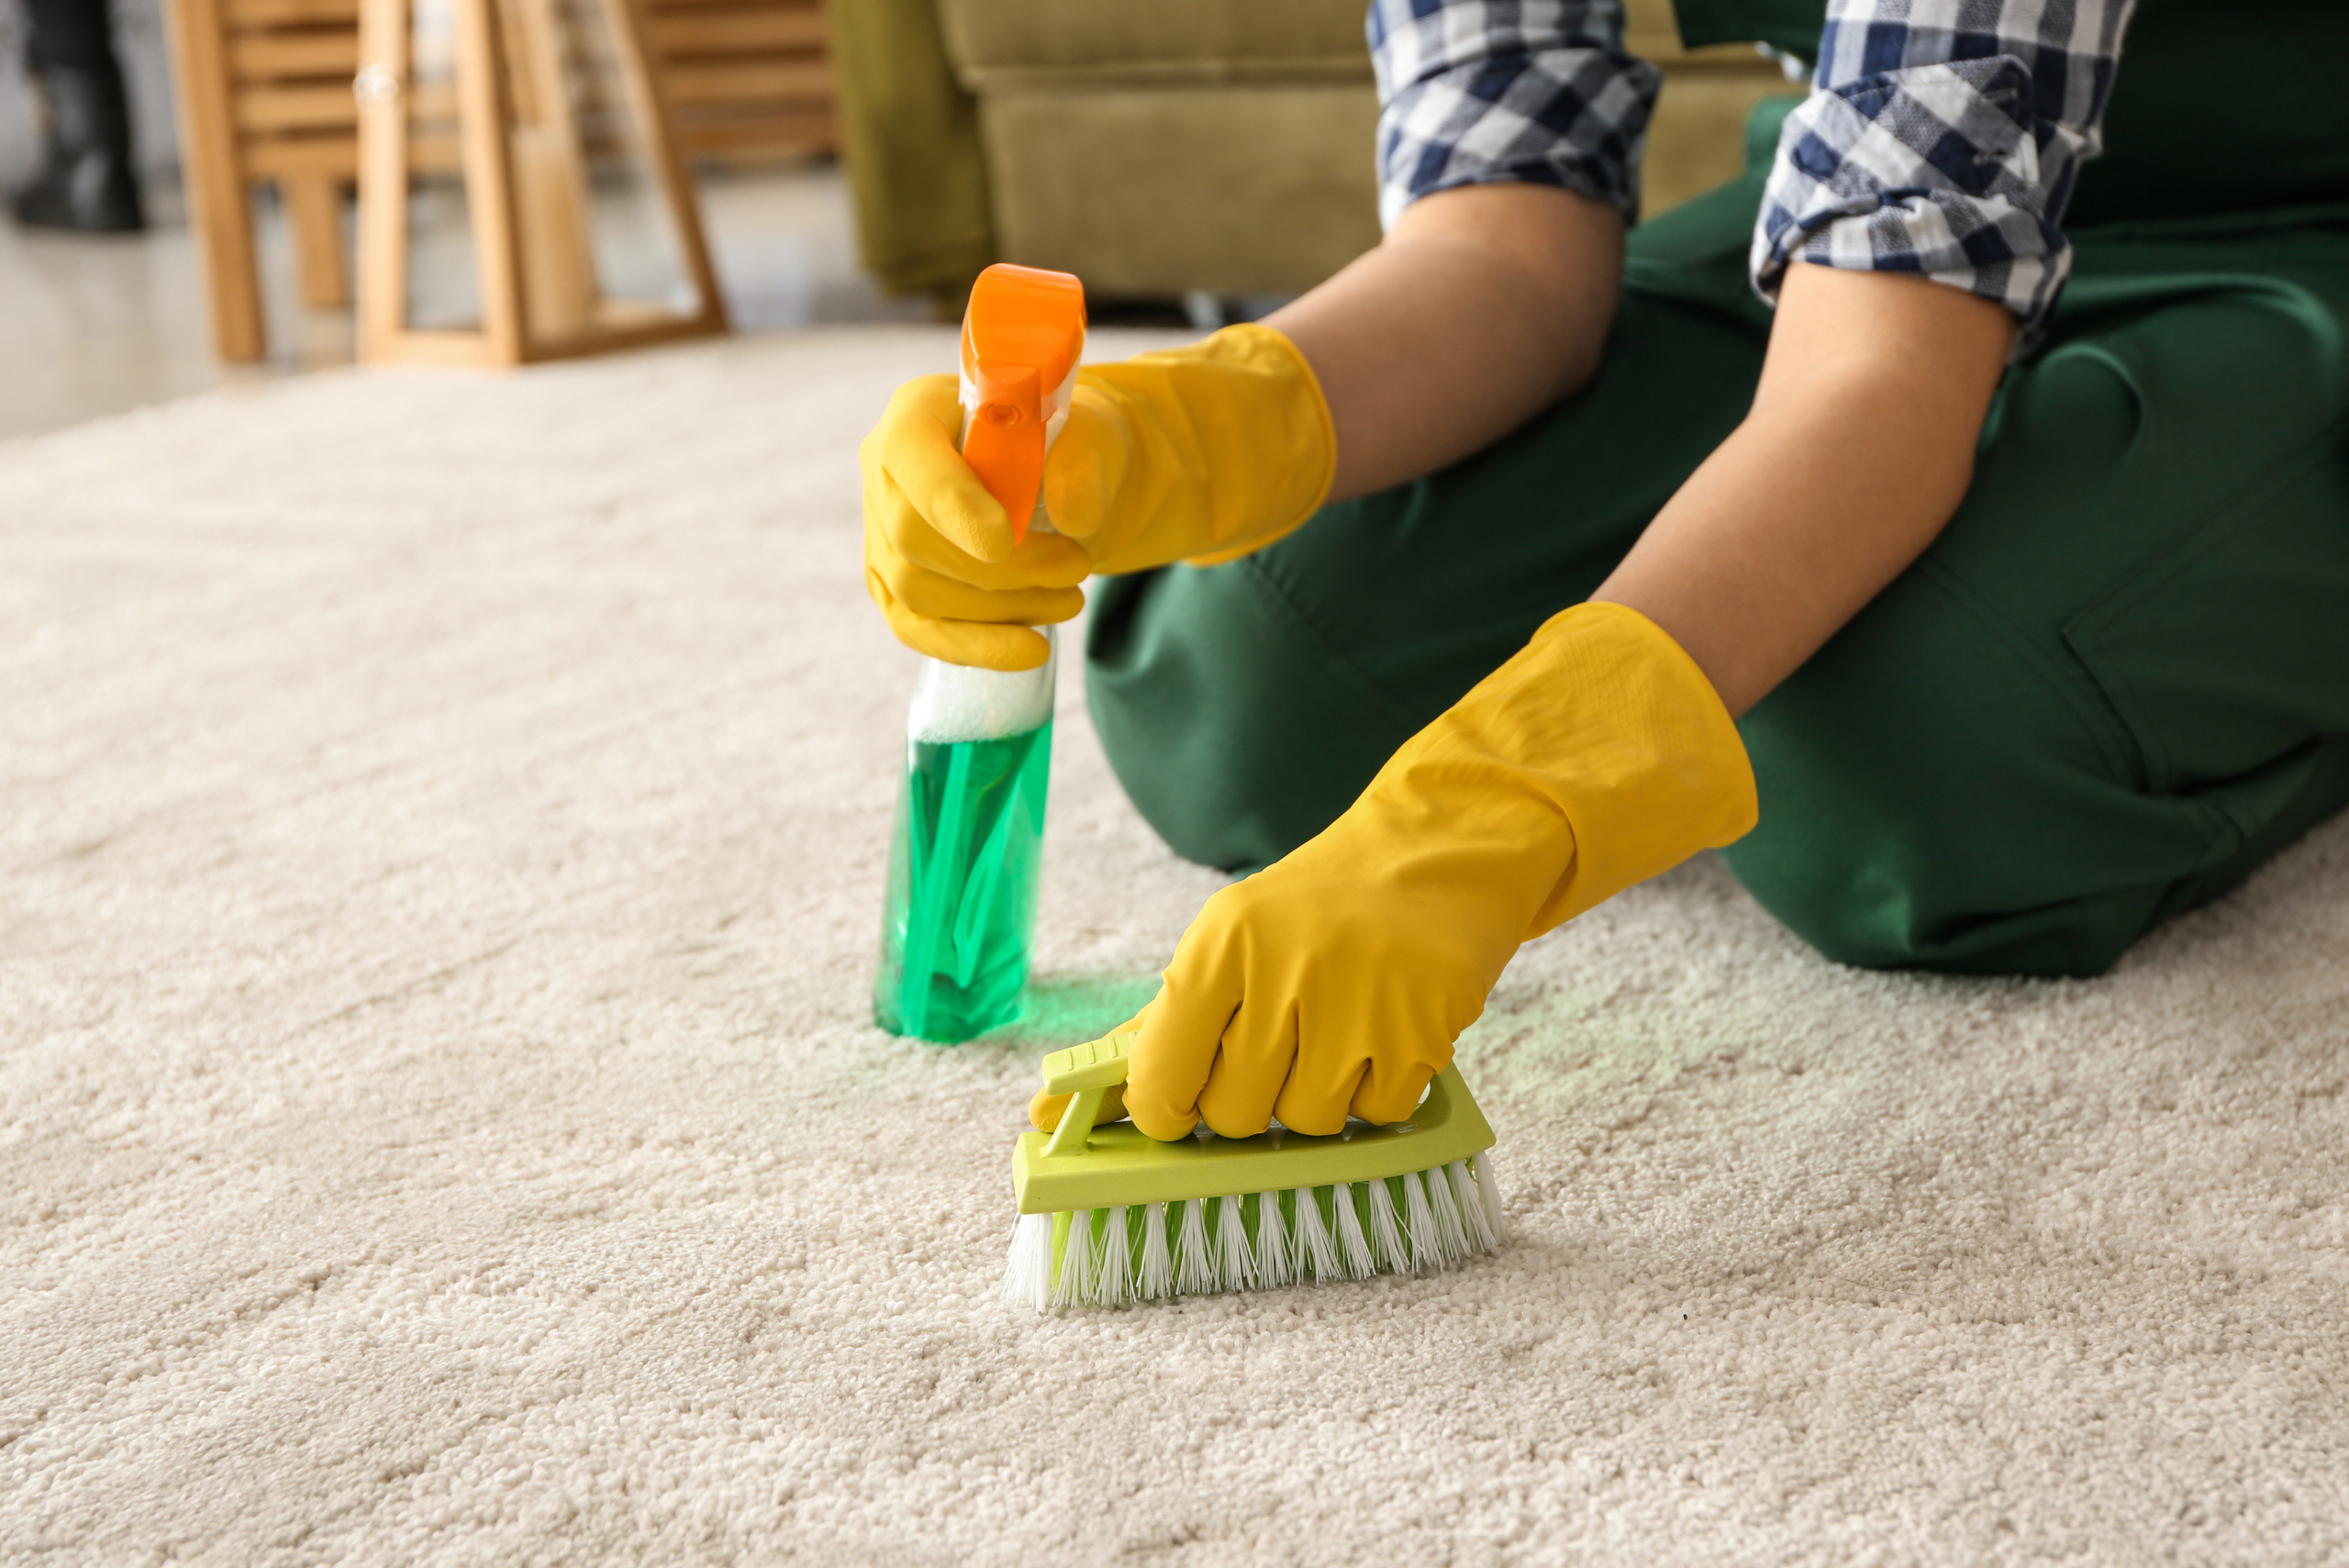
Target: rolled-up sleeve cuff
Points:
(1941, 170)
(1570, 118)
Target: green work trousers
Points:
(2116, 685)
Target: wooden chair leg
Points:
(550, 206)
(219, 205)
(314, 213)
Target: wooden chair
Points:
(264, 90)
(748, 79)
(503, 106)
(265, 96)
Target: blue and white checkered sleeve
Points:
(1479, 92)
(1942, 137)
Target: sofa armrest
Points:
(909, 138)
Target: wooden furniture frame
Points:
(750, 79)
(537, 290)
(265, 96)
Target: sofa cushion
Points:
(1160, 191)
(1138, 43)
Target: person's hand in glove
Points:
(1198, 453)
(1336, 980)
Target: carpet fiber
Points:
(440, 844)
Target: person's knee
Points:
(1931, 799)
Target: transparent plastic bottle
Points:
(967, 852)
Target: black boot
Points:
(86, 181)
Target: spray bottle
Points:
(965, 859)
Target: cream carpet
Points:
(442, 823)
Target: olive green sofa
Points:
(1160, 147)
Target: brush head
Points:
(1079, 1166)
(1417, 1222)
(1400, 1198)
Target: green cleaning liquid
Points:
(963, 872)
(960, 912)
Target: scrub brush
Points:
(1109, 1216)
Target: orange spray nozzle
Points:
(1022, 336)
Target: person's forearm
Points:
(1859, 446)
(1483, 305)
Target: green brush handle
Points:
(1085, 1071)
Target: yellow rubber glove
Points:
(1201, 453)
(1198, 453)
(1336, 979)
(938, 553)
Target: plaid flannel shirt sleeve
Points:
(1942, 137)
(1479, 92)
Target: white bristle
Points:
(1194, 1270)
(1351, 1243)
(1473, 1216)
(1449, 1231)
(1420, 1225)
(1313, 1245)
(1386, 1233)
(1074, 1285)
(1028, 1279)
(1445, 1214)
(1271, 1243)
(1492, 1190)
(1157, 1266)
(1116, 1284)
(1238, 1269)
